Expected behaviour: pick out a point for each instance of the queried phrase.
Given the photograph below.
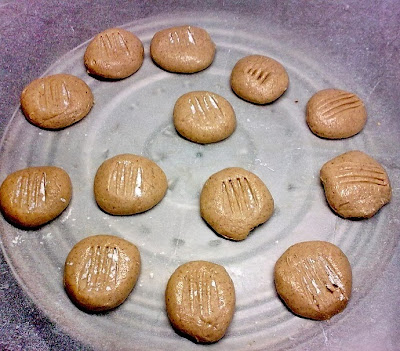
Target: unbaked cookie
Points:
(56, 101)
(234, 201)
(100, 272)
(114, 53)
(127, 184)
(314, 279)
(200, 300)
(204, 117)
(335, 114)
(184, 49)
(356, 185)
(34, 196)
(259, 79)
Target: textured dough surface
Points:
(100, 272)
(34, 196)
(56, 101)
(114, 53)
(183, 49)
(314, 279)
(234, 201)
(259, 79)
(200, 300)
(204, 117)
(355, 184)
(127, 184)
(335, 114)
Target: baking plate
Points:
(351, 45)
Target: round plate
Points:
(134, 115)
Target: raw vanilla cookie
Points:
(184, 49)
(34, 196)
(204, 117)
(234, 201)
(356, 185)
(335, 114)
(314, 279)
(56, 101)
(259, 79)
(127, 184)
(100, 272)
(200, 300)
(114, 53)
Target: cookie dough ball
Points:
(56, 101)
(114, 54)
(100, 272)
(34, 196)
(314, 279)
(259, 79)
(184, 49)
(200, 300)
(127, 184)
(335, 114)
(234, 201)
(204, 117)
(356, 185)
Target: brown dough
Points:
(184, 49)
(335, 114)
(204, 117)
(356, 185)
(314, 279)
(100, 272)
(200, 300)
(34, 196)
(56, 101)
(114, 53)
(234, 201)
(259, 79)
(127, 184)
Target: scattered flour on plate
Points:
(18, 240)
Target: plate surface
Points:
(134, 115)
